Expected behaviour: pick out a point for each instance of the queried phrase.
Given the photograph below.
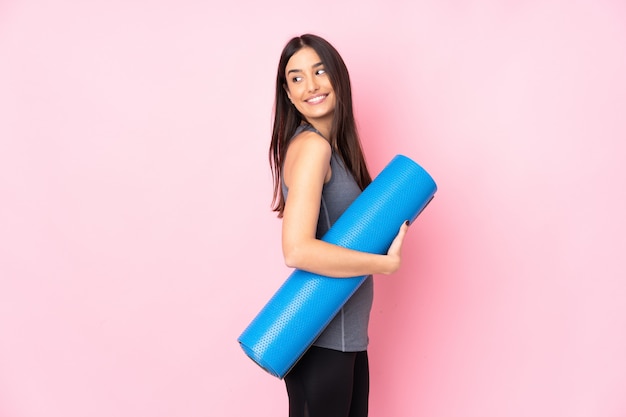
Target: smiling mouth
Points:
(316, 99)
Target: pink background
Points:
(136, 240)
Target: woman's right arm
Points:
(306, 168)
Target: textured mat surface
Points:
(304, 305)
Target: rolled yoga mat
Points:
(304, 305)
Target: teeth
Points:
(316, 99)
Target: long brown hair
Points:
(344, 138)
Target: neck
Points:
(322, 126)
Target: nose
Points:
(312, 84)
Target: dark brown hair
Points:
(344, 138)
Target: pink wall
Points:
(136, 240)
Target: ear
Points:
(287, 91)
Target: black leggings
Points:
(329, 383)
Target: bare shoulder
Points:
(309, 142)
(307, 153)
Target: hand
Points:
(394, 252)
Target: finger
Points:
(404, 227)
(396, 244)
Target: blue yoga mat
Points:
(304, 305)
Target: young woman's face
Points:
(308, 87)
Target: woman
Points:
(319, 169)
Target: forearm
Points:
(330, 260)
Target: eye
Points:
(296, 79)
(320, 72)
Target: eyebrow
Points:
(319, 64)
